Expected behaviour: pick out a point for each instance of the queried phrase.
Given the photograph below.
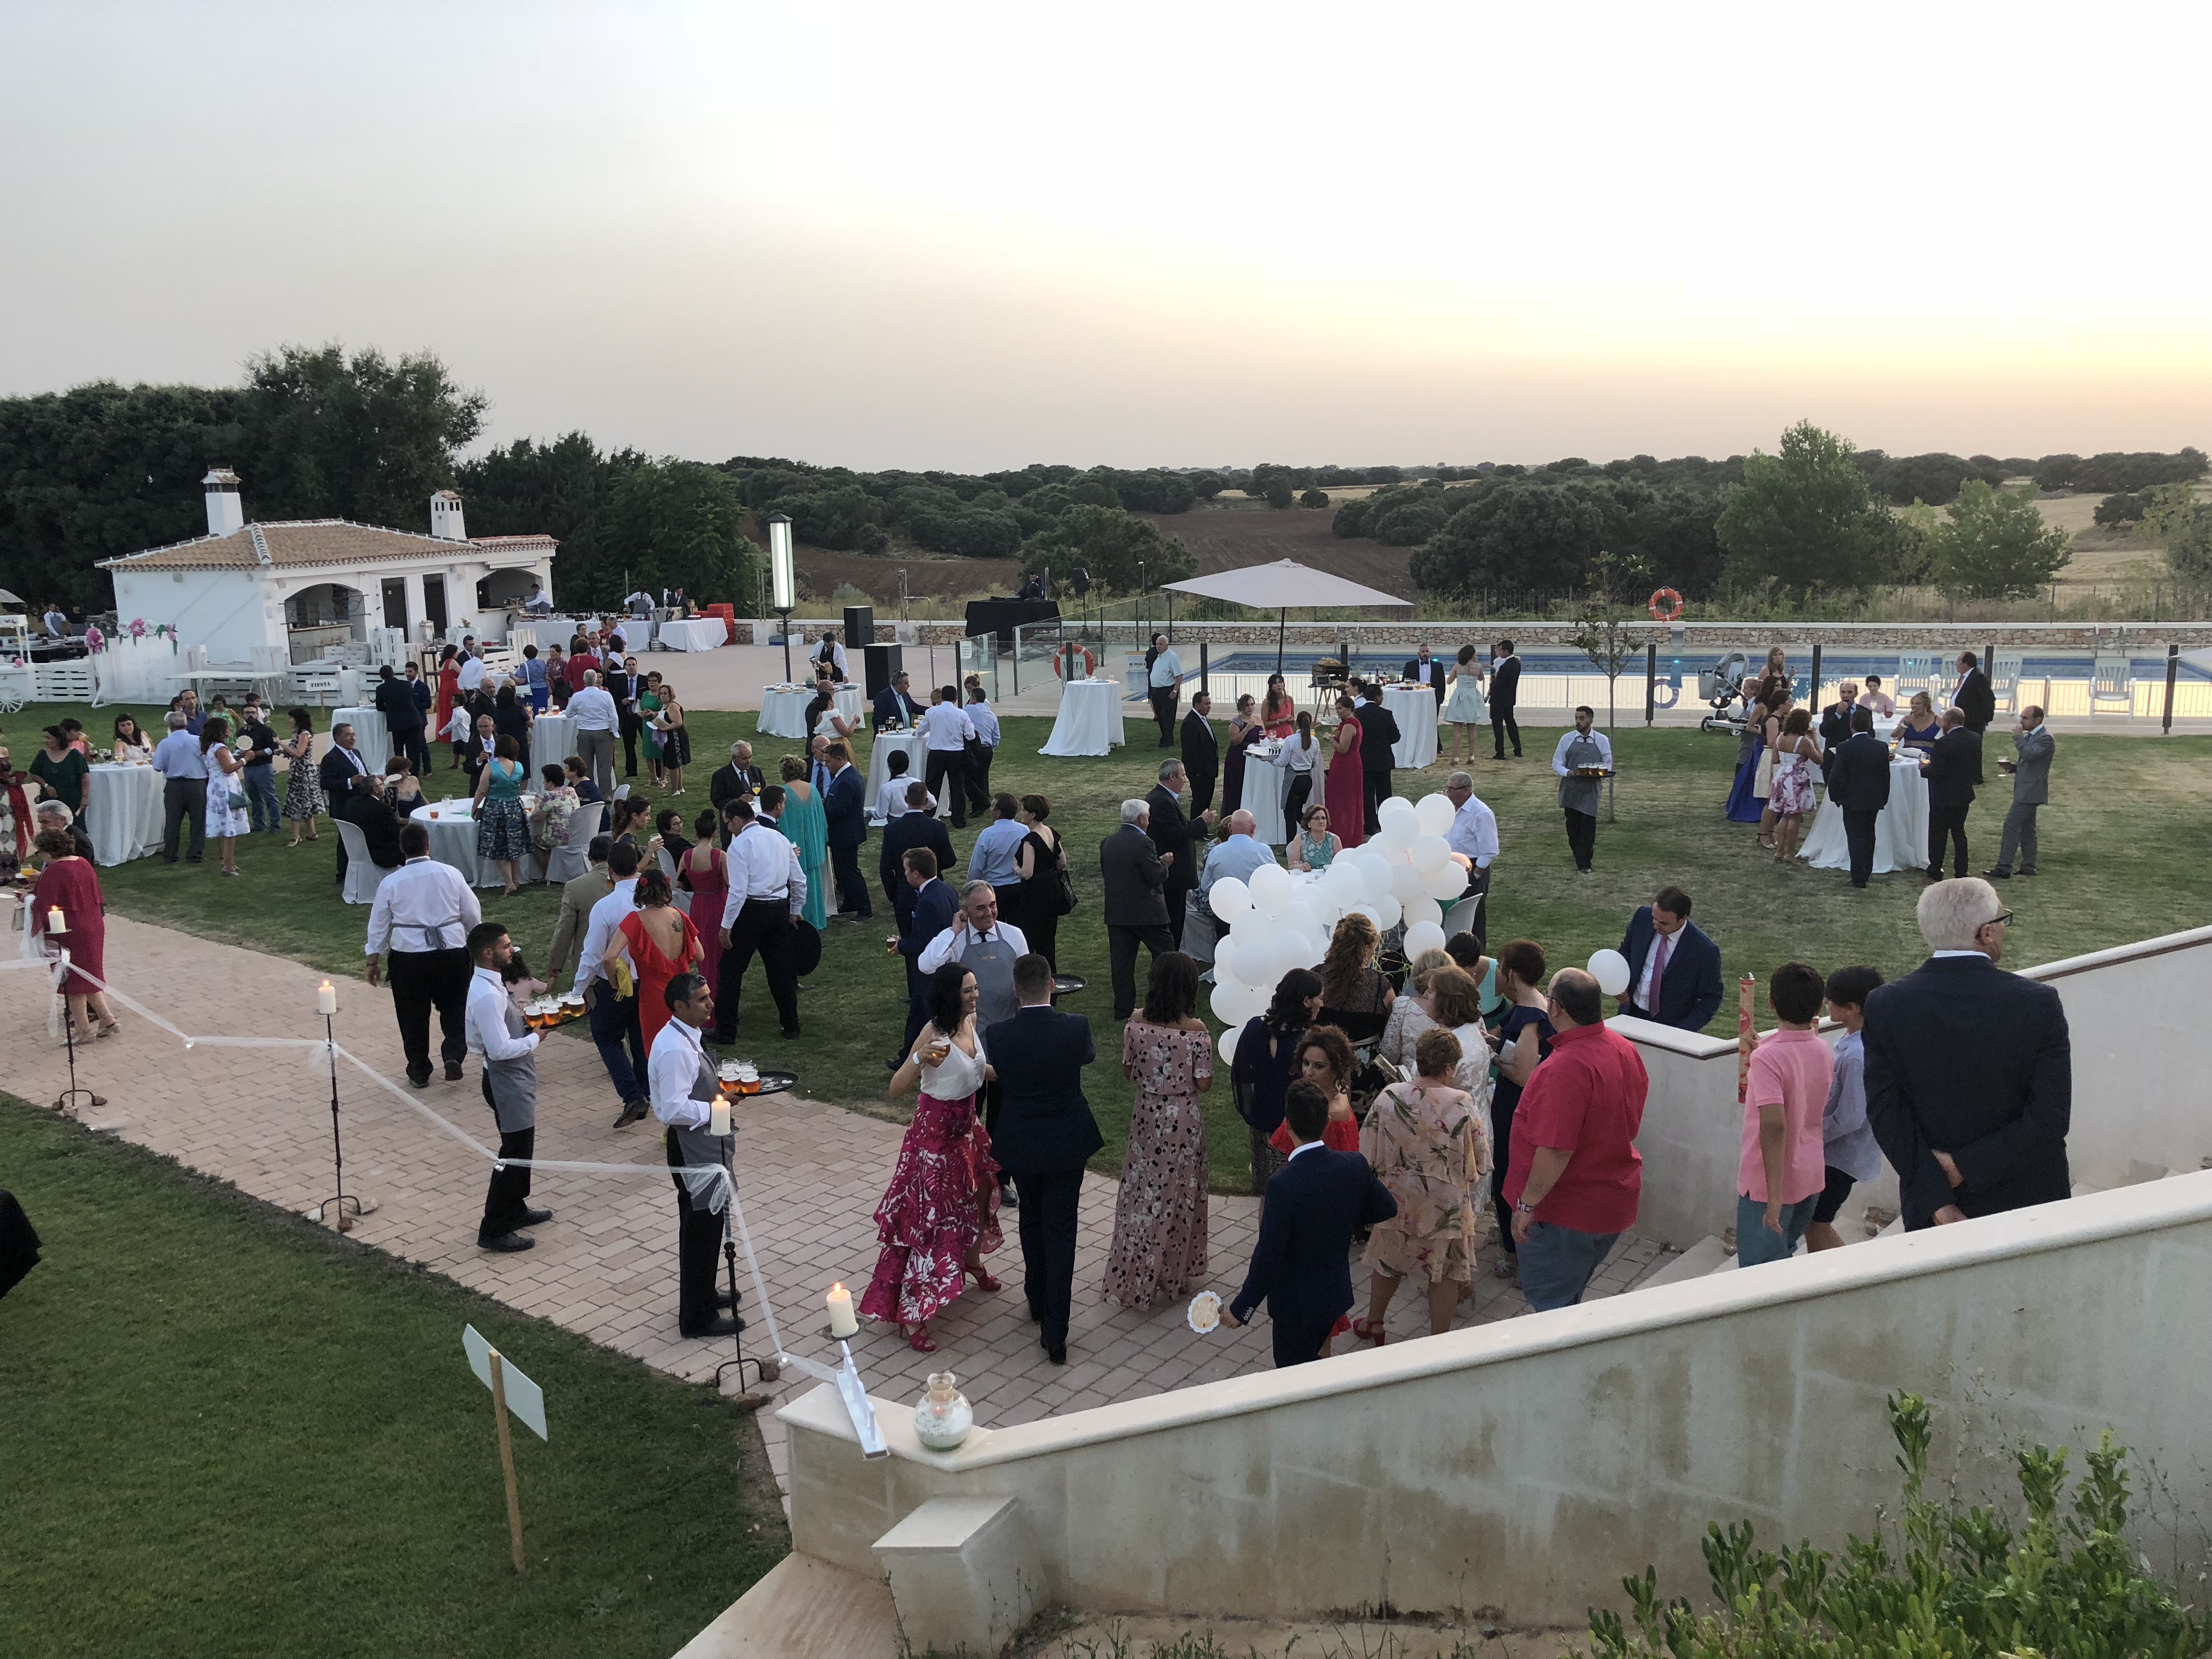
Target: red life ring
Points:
(1665, 605)
(1060, 661)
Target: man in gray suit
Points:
(1136, 910)
(2032, 745)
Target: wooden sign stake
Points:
(506, 1459)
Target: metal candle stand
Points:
(333, 1209)
(767, 1370)
(66, 1102)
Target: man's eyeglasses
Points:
(2002, 919)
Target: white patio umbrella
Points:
(1283, 585)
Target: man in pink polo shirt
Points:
(1574, 1177)
(1784, 1165)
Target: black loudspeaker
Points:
(882, 666)
(859, 627)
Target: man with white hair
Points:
(1473, 837)
(56, 814)
(592, 707)
(1969, 1071)
(1240, 856)
(739, 780)
(1136, 909)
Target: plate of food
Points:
(1205, 1312)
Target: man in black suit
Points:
(1969, 1071)
(627, 686)
(931, 907)
(1201, 752)
(1424, 670)
(845, 814)
(1952, 768)
(1836, 728)
(1673, 966)
(1171, 837)
(1976, 700)
(739, 780)
(1136, 906)
(1045, 1135)
(1504, 692)
(1315, 1203)
(916, 827)
(895, 706)
(403, 719)
(344, 773)
(1858, 782)
(378, 818)
(1378, 743)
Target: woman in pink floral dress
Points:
(940, 1213)
(1427, 1144)
(1158, 1253)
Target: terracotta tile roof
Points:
(306, 542)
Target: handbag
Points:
(1762, 781)
(1066, 885)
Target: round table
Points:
(783, 708)
(907, 742)
(1414, 708)
(123, 804)
(1900, 833)
(1267, 786)
(552, 740)
(454, 838)
(699, 634)
(1090, 720)
(370, 734)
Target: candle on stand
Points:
(717, 1117)
(841, 1322)
(326, 999)
(56, 921)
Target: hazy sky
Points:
(978, 236)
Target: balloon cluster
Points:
(1404, 874)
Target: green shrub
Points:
(1967, 1583)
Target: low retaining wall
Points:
(1522, 1468)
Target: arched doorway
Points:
(324, 615)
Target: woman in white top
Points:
(226, 771)
(1464, 709)
(1299, 756)
(940, 1213)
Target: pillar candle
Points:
(326, 999)
(841, 1322)
(718, 1118)
(56, 921)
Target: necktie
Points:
(1658, 971)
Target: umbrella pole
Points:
(1282, 627)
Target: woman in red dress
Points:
(449, 689)
(660, 942)
(1346, 792)
(704, 872)
(940, 1212)
(70, 885)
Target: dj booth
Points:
(1003, 617)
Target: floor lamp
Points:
(783, 579)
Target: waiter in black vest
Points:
(497, 1031)
(681, 1082)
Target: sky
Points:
(978, 236)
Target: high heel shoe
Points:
(1363, 1332)
(918, 1339)
(984, 1282)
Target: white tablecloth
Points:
(1266, 786)
(1090, 721)
(1415, 710)
(1900, 834)
(909, 743)
(370, 734)
(125, 806)
(552, 740)
(700, 634)
(783, 711)
(454, 841)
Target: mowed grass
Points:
(226, 1432)
(2125, 843)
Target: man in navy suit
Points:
(1301, 1264)
(845, 805)
(1858, 782)
(1674, 968)
(894, 706)
(916, 827)
(934, 907)
(1045, 1135)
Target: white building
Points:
(282, 592)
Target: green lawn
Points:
(2125, 846)
(225, 1430)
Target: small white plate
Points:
(1205, 1313)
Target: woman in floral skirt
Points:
(1158, 1253)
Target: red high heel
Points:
(983, 1280)
(1363, 1332)
(919, 1338)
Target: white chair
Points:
(1460, 918)
(2004, 679)
(1200, 932)
(574, 860)
(362, 877)
(2109, 684)
(667, 866)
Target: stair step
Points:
(804, 1607)
(1700, 1259)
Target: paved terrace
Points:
(809, 1174)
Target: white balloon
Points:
(1396, 835)
(1311, 949)
(1428, 852)
(1435, 814)
(1299, 917)
(1425, 910)
(1389, 913)
(1407, 883)
(1227, 1047)
(1227, 953)
(1610, 969)
(1230, 899)
(1288, 951)
(1423, 936)
(1396, 810)
(1253, 1001)
(1374, 874)
(1227, 1001)
(1270, 888)
(1372, 910)
(1446, 882)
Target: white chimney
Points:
(446, 517)
(226, 508)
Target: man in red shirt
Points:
(1574, 1177)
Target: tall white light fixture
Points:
(783, 579)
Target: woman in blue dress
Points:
(1744, 807)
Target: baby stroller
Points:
(1727, 687)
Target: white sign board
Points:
(525, 1400)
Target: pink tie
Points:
(1658, 971)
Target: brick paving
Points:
(809, 1176)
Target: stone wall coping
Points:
(2177, 1201)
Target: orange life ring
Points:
(1060, 661)
(1665, 605)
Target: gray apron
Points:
(992, 962)
(1583, 794)
(513, 1082)
(698, 1150)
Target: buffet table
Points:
(1090, 720)
(1414, 708)
(1900, 833)
(123, 804)
(699, 634)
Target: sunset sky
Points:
(980, 235)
